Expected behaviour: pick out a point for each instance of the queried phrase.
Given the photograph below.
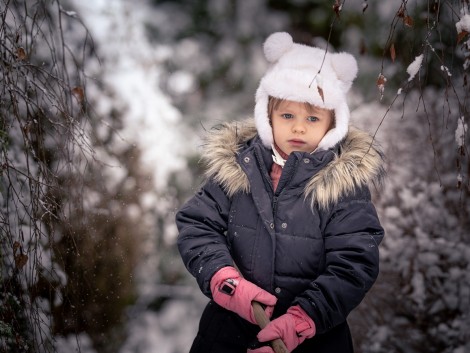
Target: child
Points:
(285, 217)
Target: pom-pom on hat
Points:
(307, 74)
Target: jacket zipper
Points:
(275, 204)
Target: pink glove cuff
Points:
(222, 275)
(243, 293)
(304, 324)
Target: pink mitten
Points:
(231, 291)
(292, 328)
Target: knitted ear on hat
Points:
(276, 45)
(345, 67)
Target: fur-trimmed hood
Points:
(360, 162)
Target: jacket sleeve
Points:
(352, 234)
(202, 223)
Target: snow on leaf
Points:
(464, 24)
(460, 132)
(414, 67)
(446, 70)
(71, 13)
(365, 5)
(337, 7)
(381, 80)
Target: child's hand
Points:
(232, 292)
(292, 328)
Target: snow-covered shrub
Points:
(41, 97)
(69, 221)
(422, 297)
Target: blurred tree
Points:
(69, 231)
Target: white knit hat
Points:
(300, 73)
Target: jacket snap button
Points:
(284, 225)
(306, 160)
(247, 159)
(277, 290)
(271, 225)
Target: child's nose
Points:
(298, 127)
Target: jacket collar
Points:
(358, 163)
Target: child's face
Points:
(299, 127)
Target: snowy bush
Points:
(41, 104)
(70, 205)
(423, 293)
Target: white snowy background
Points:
(146, 70)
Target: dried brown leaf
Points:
(79, 93)
(16, 245)
(393, 53)
(21, 260)
(401, 11)
(461, 36)
(320, 92)
(20, 53)
(408, 20)
(381, 80)
(337, 7)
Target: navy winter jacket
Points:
(313, 242)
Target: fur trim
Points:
(299, 73)
(220, 155)
(359, 163)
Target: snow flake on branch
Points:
(414, 67)
(446, 70)
(464, 24)
(365, 5)
(460, 132)
(463, 30)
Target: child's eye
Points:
(312, 118)
(287, 116)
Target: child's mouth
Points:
(296, 142)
